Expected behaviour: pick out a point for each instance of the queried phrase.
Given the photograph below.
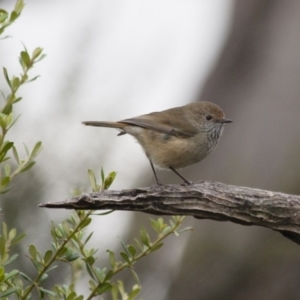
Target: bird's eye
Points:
(209, 117)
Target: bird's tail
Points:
(105, 124)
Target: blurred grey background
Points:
(110, 60)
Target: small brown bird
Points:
(174, 138)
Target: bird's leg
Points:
(177, 173)
(157, 180)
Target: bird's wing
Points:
(169, 122)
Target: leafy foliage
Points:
(7, 19)
(70, 238)
(105, 182)
(69, 245)
(7, 120)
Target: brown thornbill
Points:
(174, 138)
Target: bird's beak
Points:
(223, 121)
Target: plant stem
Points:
(36, 281)
(142, 254)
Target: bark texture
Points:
(204, 200)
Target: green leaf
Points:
(121, 289)
(36, 150)
(158, 225)
(7, 170)
(51, 268)
(90, 271)
(125, 248)
(11, 259)
(92, 285)
(26, 149)
(66, 228)
(145, 237)
(5, 190)
(90, 260)
(125, 257)
(85, 223)
(19, 6)
(5, 159)
(5, 147)
(48, 292)
(109, 275)
(33, 252)
(15, 153)
(2, 277)
(9, 292)
(131, 250)
(48, 255)
(33, 79)
(25, 78)
(88, 238)
(135, 276)
(18, 238)
(44, 277)
(2, 247)
(16, 83)
(138, 244)
(4, 230)
(166, 230)
(40, 58)
(135, 291)
(114, 292)
(9, 119)
(60, 227)
(25, 276)
(112, 258)
(11, 274)
(37, 265)
(104, 287)
(7, 109)
(58, 234)
(14, 122)
(17, 100)
(3, 121)
(12, 234)
(27, 167)
(72, 256)
(6, 76)
(36, 53)
(93, 181)
(154, 225)
(109, 180)
(73, 296)
(104, 213)
(102, 176)
(100, 273)
(3, 15)
(5, 182)
(156, 247)
(186, 229)
(25, 59)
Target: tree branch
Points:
(204, 200)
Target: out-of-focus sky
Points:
(106, 60)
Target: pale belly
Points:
(168, 151)
(179, 154)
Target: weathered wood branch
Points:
(204, 200)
